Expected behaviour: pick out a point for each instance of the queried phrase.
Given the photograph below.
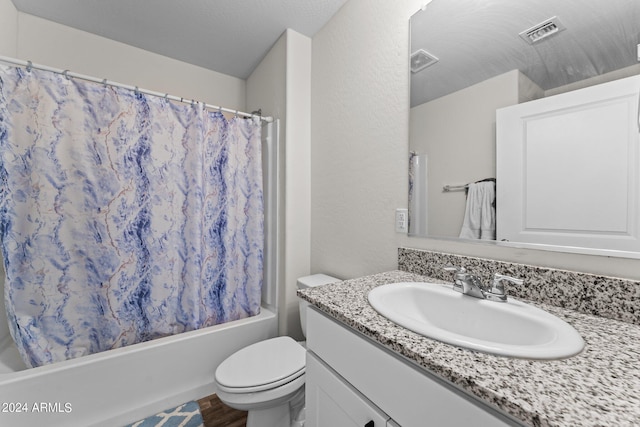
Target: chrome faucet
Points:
(470, 284)
(465, 283)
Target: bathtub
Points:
(120, 386)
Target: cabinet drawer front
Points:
(408, 394)
(332, 402)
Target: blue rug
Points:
(186, 415)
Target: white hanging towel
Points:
(480, 215)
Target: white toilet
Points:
(267, 378)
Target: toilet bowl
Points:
(267, 378)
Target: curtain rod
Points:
(29, 65)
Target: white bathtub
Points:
(120, 386)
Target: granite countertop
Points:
(598, 387)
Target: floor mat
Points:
(186, 415)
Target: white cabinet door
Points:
(568, 169)
(331, 402)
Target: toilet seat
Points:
(262, 366)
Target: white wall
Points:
(462, 126)
(8, 28)
(280, 85)
(266, 90)
(360, 122)
(297, 176)
(46, 42)
(459, 126)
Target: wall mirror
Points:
(470, 58)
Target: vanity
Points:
(364, 370)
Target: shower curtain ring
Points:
(137, 91)
(104, 82)
(66, 75)
(29, 66)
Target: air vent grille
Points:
(543, 30)
(421, 59)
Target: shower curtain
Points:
(123, 217)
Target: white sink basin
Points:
(512, 328)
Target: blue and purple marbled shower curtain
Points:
(123, 217)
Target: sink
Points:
(512, 328)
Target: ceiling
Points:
(476, 40)
(227, 36)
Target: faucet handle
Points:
(454, 268)
(497, 291)
(498, 278)
(460, 273)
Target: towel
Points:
(480, 215)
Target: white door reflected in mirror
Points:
(483, 68)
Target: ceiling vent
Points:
(421, 59)
(543, 30)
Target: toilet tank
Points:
(309, 282)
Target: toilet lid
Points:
(272, 361)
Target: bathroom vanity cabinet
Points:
(417, 381)
(352, 381)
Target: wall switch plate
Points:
(402, 220)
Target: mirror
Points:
(470, 58)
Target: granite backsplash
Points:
(609, 297)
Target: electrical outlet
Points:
(402, 220)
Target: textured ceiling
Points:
(228, 36)
(475, 40)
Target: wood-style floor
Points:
(217, 414)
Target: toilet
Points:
(267, 378)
